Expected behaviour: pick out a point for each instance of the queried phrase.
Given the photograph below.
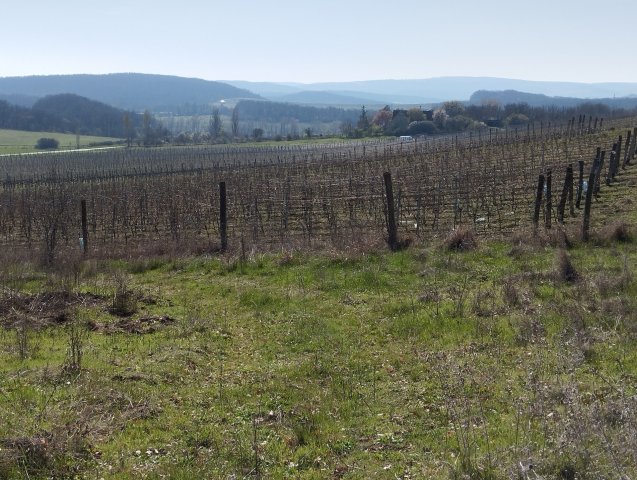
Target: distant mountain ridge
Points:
(130, 91)
(323, 98)
(192, 96)
(440, 89)
(507, 97)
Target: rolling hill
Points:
(434, 90)
(67, 113)
(506, 97)
(131, 91)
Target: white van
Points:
(406, 138)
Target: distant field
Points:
(18, 141)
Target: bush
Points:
(459, 123)
(420, 127)
(47, 143)
(517, 119)
(461, 239)
(617, 232)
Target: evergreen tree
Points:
(363, 121)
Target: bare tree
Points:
(235, 122)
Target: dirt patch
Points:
(141, 325)
(41, 310)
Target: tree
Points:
(347, 129)
(148, 130)
(383, 117)
(363, 121)
(415, 115)
(129, 130)
(257, 133)
(47, 143)
(453, 108)
(214, 127)
(440, 119)
(235, 122)
(458, 123)
(398, 125)
(424, 126)
(517, 119)
(308, 132)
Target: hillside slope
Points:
(135, 91)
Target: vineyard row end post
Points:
(223, 217)
(589, 197)
(538, 201)
(392, 230)
(84, 238)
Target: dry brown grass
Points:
(564, 269)
(461, 239)
(616, 232)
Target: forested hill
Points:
(84, 115)
(67, 113)
(130, 91)
(15, 117)
(510, 97)
(281, 112)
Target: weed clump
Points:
(461, 239)
(564, 269)
(124, 302)
(617, 232)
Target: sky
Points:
(329, 40)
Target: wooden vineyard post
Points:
(223, 217)
(630, 149)
(612, 161)
(570, 189)
(589, 197)
(392, 232)
(549, 199)
(84, 239)
(568, 180)
(619, 151)
(598, 174)
(633, 145)
(538, 201)
(580, 184)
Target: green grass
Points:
(414, 364)
(18, 141)
(422, 363)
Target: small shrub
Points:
(47, 143)
(529, 330)
(483, 303)
(76, 337)
(124, 301)
(461, 239)
(558, 237)
(617, 232)
(510, 294)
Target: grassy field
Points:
(510, 358)
(506, 361)
(18, 141)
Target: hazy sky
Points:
(329, 40)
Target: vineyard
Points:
(292, 355)
(310, 195)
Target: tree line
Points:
(456, 116)
(69, 113)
